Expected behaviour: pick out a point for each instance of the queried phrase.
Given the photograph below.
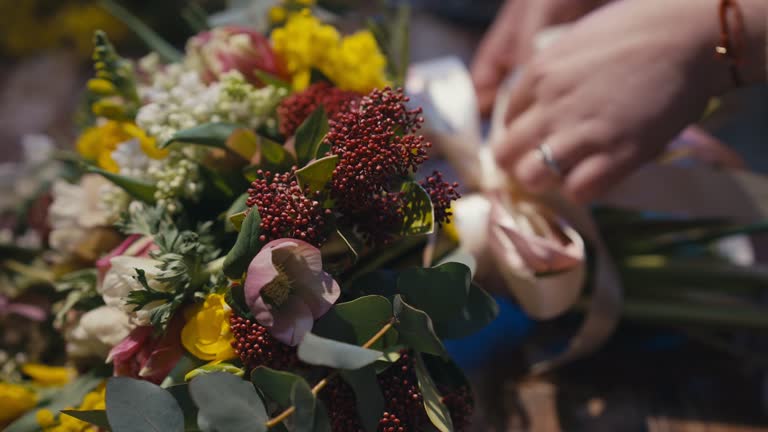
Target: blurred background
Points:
(650, 377)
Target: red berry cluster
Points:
(378, 149)
(441, 194)
(294, 109)
(390, 423)
(461, 406)
(285, 209)
(256, 347)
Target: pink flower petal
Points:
(292, 321)
(130, 345)
(261, 271)
(262, 312)
(321, 295)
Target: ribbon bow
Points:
(532, 244)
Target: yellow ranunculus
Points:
(48, 375)
(98, 143)
(15, 400)
(352, 62)
(207, 335)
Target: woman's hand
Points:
(615, 88)
(509, 42)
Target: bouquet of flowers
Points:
(240, 243)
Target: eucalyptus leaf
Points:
(207, 134)
(94, 417)
(419, 217)
(276, 385)
(368, 396)
(140, 406)
(316, 350)
(356, 321)
(227, 403)
(310, 134)
(180, 392)
(416, 329)
(274, 157)
(439, 291)
(436, 411)
(246, 246)
(138, 189)
(479, 311)
(318, 173)
(310, 414)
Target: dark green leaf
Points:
(419, 215)
(356, 321)
(439, 291)
(480, 310)
(95, 417)
(235, 298)
(227, 403)
(368, 396)
(317, 174)
(416, 329)
(140, 406)
(310, 134)
(246, 247)
(276, 385)
(316, 350)
(208, 134)
(437, 411)
(139, 189)
(274, 157)
(238, 207)
(310, 415)
(68, 396)
(379, 282)
(184, 399)
(153, 40)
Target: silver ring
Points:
(545, 152)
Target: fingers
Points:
(566, 151)
(520, 137)
(596, 174)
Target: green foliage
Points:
(208, 134)
(119, 98)
(439, 291)
(138, 189)
(416, 329)
(310, 415)
(95, 417)
(419, 217)
(80, 287)
(226, 403)
(153, 40)
(276, 385)
(246, 246)
(436, 411)
(368, 396)
(310, 134)
(274, 157)
(357, 321)
(316, 350)
(479, 310)
(317, 174)
(140, 406)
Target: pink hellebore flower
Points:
(287, 289)
(134, 245)
(146, 356)
(229, 48)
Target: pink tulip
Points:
(147, 356)
(229, 48)
(287, 289)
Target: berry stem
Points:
(324, 382)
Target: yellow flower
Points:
(352, 62)
(48, 375)
(207, 335)
(277, 15)
(15, 400)
(98, 143)
(94, 400)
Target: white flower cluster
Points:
(177, 177)
(177, 99)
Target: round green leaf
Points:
(439, 291)
(356, 321)
(320, 351)
(481, 309)
(368, 396)
(415, 328)
(276, 385)
(140, 406)
(310, 415)
(227, 403)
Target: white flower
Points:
(75, 209)
(130, 158)
(121, 279)
(97, 332)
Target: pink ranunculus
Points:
(147, 356)
(287, 289)
(228, 48)
(134, 245)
